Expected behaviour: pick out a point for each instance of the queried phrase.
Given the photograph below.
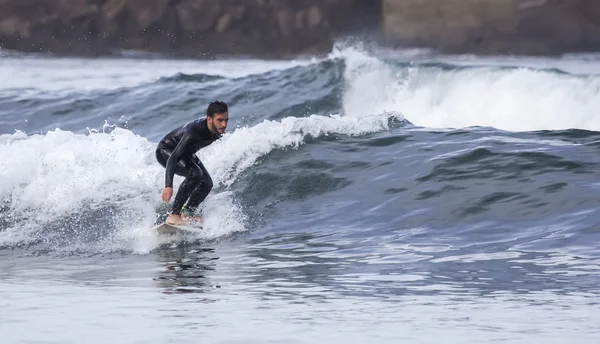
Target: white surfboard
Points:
(167, 229)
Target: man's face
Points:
(218, 122)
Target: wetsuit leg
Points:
(202, 190)
(186, 168)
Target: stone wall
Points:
(494, 26)
(195, 28)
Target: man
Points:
(176, 152)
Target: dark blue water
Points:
(358, 198)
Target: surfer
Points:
(176, 152)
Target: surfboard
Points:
(167, 229)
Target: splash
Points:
(516, 99)
(59, 177)
(444, 93)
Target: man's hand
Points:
(166, 194)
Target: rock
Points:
(15, 27)
(188, 28)
(237, 12)
(300, 19)
(525, 4)
(223, 23)
(493, 27)
(591, 11)
(73, 9)
(284, 22)
(147, 12)
(112, 8)
(198, 15)
(591, 22)
(314, 17)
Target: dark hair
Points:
(216, 107)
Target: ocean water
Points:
(362, 197)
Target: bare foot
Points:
(173, 219)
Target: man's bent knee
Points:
(196, 175)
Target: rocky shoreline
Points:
(520, 27)
(194, 28)
(288, 28)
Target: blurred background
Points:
(285, 28)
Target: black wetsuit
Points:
(177, 153)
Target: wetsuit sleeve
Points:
(184, 143)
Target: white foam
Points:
(371, 85)
(58, 170)
(46, 177)
(517, 99)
